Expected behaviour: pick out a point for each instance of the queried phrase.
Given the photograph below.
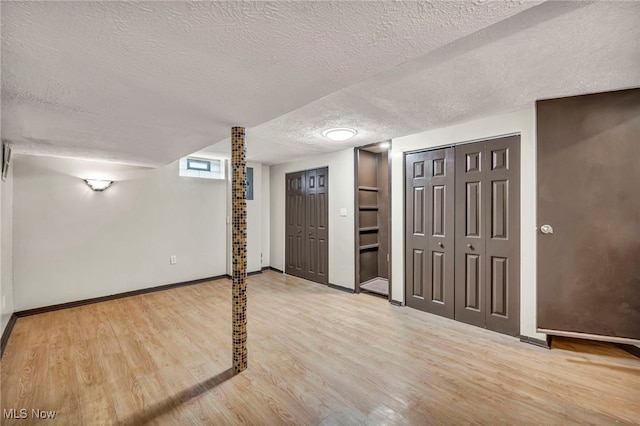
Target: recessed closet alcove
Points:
(372, 219)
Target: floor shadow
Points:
(170, 403)
(592, 347)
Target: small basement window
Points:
(201, 168)
(200, 165)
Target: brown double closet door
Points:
(307, 231)
(463, 233)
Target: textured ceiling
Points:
(149, 82)
(552, 50)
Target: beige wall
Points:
(522, 122)
(71, 243)
(265, 214)
(6, 249)
(341, 228)
(254, 221)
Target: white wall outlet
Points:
(173, 260)
(343, 212)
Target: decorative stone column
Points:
(239, 242)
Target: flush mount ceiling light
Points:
(98, 185)
(385, 145)
(339, 134)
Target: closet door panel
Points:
(306, 212)
(294, 214)
(440, 187)
(311, 225)
(416, 222)
(322, 225)
(430, 230)
(502, 229)
(488, 234)
(470, 235)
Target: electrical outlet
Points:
(173, 259)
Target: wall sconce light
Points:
(98, 185)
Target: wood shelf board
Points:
(368, 188)
(369, 247)
(370, 229)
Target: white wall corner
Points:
(94, 244)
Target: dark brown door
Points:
(588, 160)
(503, 235)
(316, 223)
(429, 283)
(306, 211)
(295, 216)
(470, 234)
(487, 259)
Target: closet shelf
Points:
(369, 229)
(369, 247)
(368, 207)
(368, 188)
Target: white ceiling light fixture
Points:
(339, 134)
(98, 185)
(385, 145)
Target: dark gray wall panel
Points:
(588, 175)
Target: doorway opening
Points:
(373, 219)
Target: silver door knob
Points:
(546, 229)
(440, 244)
(470, 246)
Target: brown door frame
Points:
(356, 216)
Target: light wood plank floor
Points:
(316, 356)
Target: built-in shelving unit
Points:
(372, 216)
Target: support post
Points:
(239, 243)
